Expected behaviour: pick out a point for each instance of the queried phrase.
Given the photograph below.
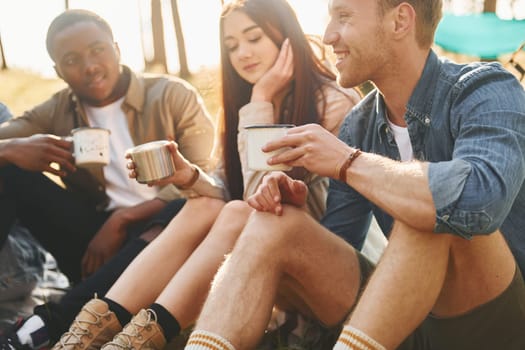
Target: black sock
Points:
(123, 315)
(166, 321)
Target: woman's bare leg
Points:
(187, 290)
(152, 269)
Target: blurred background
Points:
(169, 36)
(23, 27)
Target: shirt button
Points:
(427, 121)
(446, 217)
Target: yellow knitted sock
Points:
(353, 339)
(203, 340)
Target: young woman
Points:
(270, 74)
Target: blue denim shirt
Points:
(468, 121)
(5, 114)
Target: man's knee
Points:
(274, 234)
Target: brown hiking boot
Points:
(94, 326)
(141, 333)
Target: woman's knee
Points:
(235, 209)
(229, 223)
(205, 204)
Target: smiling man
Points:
(436, 153)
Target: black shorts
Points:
(498, 324)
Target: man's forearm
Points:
(4, 152)
(401, 189)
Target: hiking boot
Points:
(9, 339)
(94, 326)
(141, 333)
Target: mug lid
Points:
(148, 146)
(82, 128)
(269, 126)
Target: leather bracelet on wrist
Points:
(351, 157)
(192, 181)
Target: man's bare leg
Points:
(422, 272)
(320, 267)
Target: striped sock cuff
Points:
(203, 340)
(353, 339)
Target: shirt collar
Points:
(420, 103)
(134, 96)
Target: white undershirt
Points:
(121, 190)
(403, 141)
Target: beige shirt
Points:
(156, 107)
(339, 101)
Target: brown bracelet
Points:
(192, 181)
(342, 171)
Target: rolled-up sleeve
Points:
(195, 138)
(474, 192)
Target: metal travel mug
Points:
(152, 161)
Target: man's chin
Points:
(344, 82)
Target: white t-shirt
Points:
(403, 141)
(121, 190)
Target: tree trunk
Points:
(489, 6)
(67, 4)
(181, 46)
(159, 62)
(4, 63)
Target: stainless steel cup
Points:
(152, 161)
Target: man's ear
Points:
(404, 20)
(57, 72)
(117, 49)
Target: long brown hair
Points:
(278, 20)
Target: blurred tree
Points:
(181, 46)
(158, 63)
(67, 4)
(489, 5)
(4, 63)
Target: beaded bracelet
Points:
(342, 171)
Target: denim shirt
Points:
(468, 122)
(5, 114)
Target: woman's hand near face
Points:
(277, 77)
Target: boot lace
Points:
(124, 340)
(81, 327)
